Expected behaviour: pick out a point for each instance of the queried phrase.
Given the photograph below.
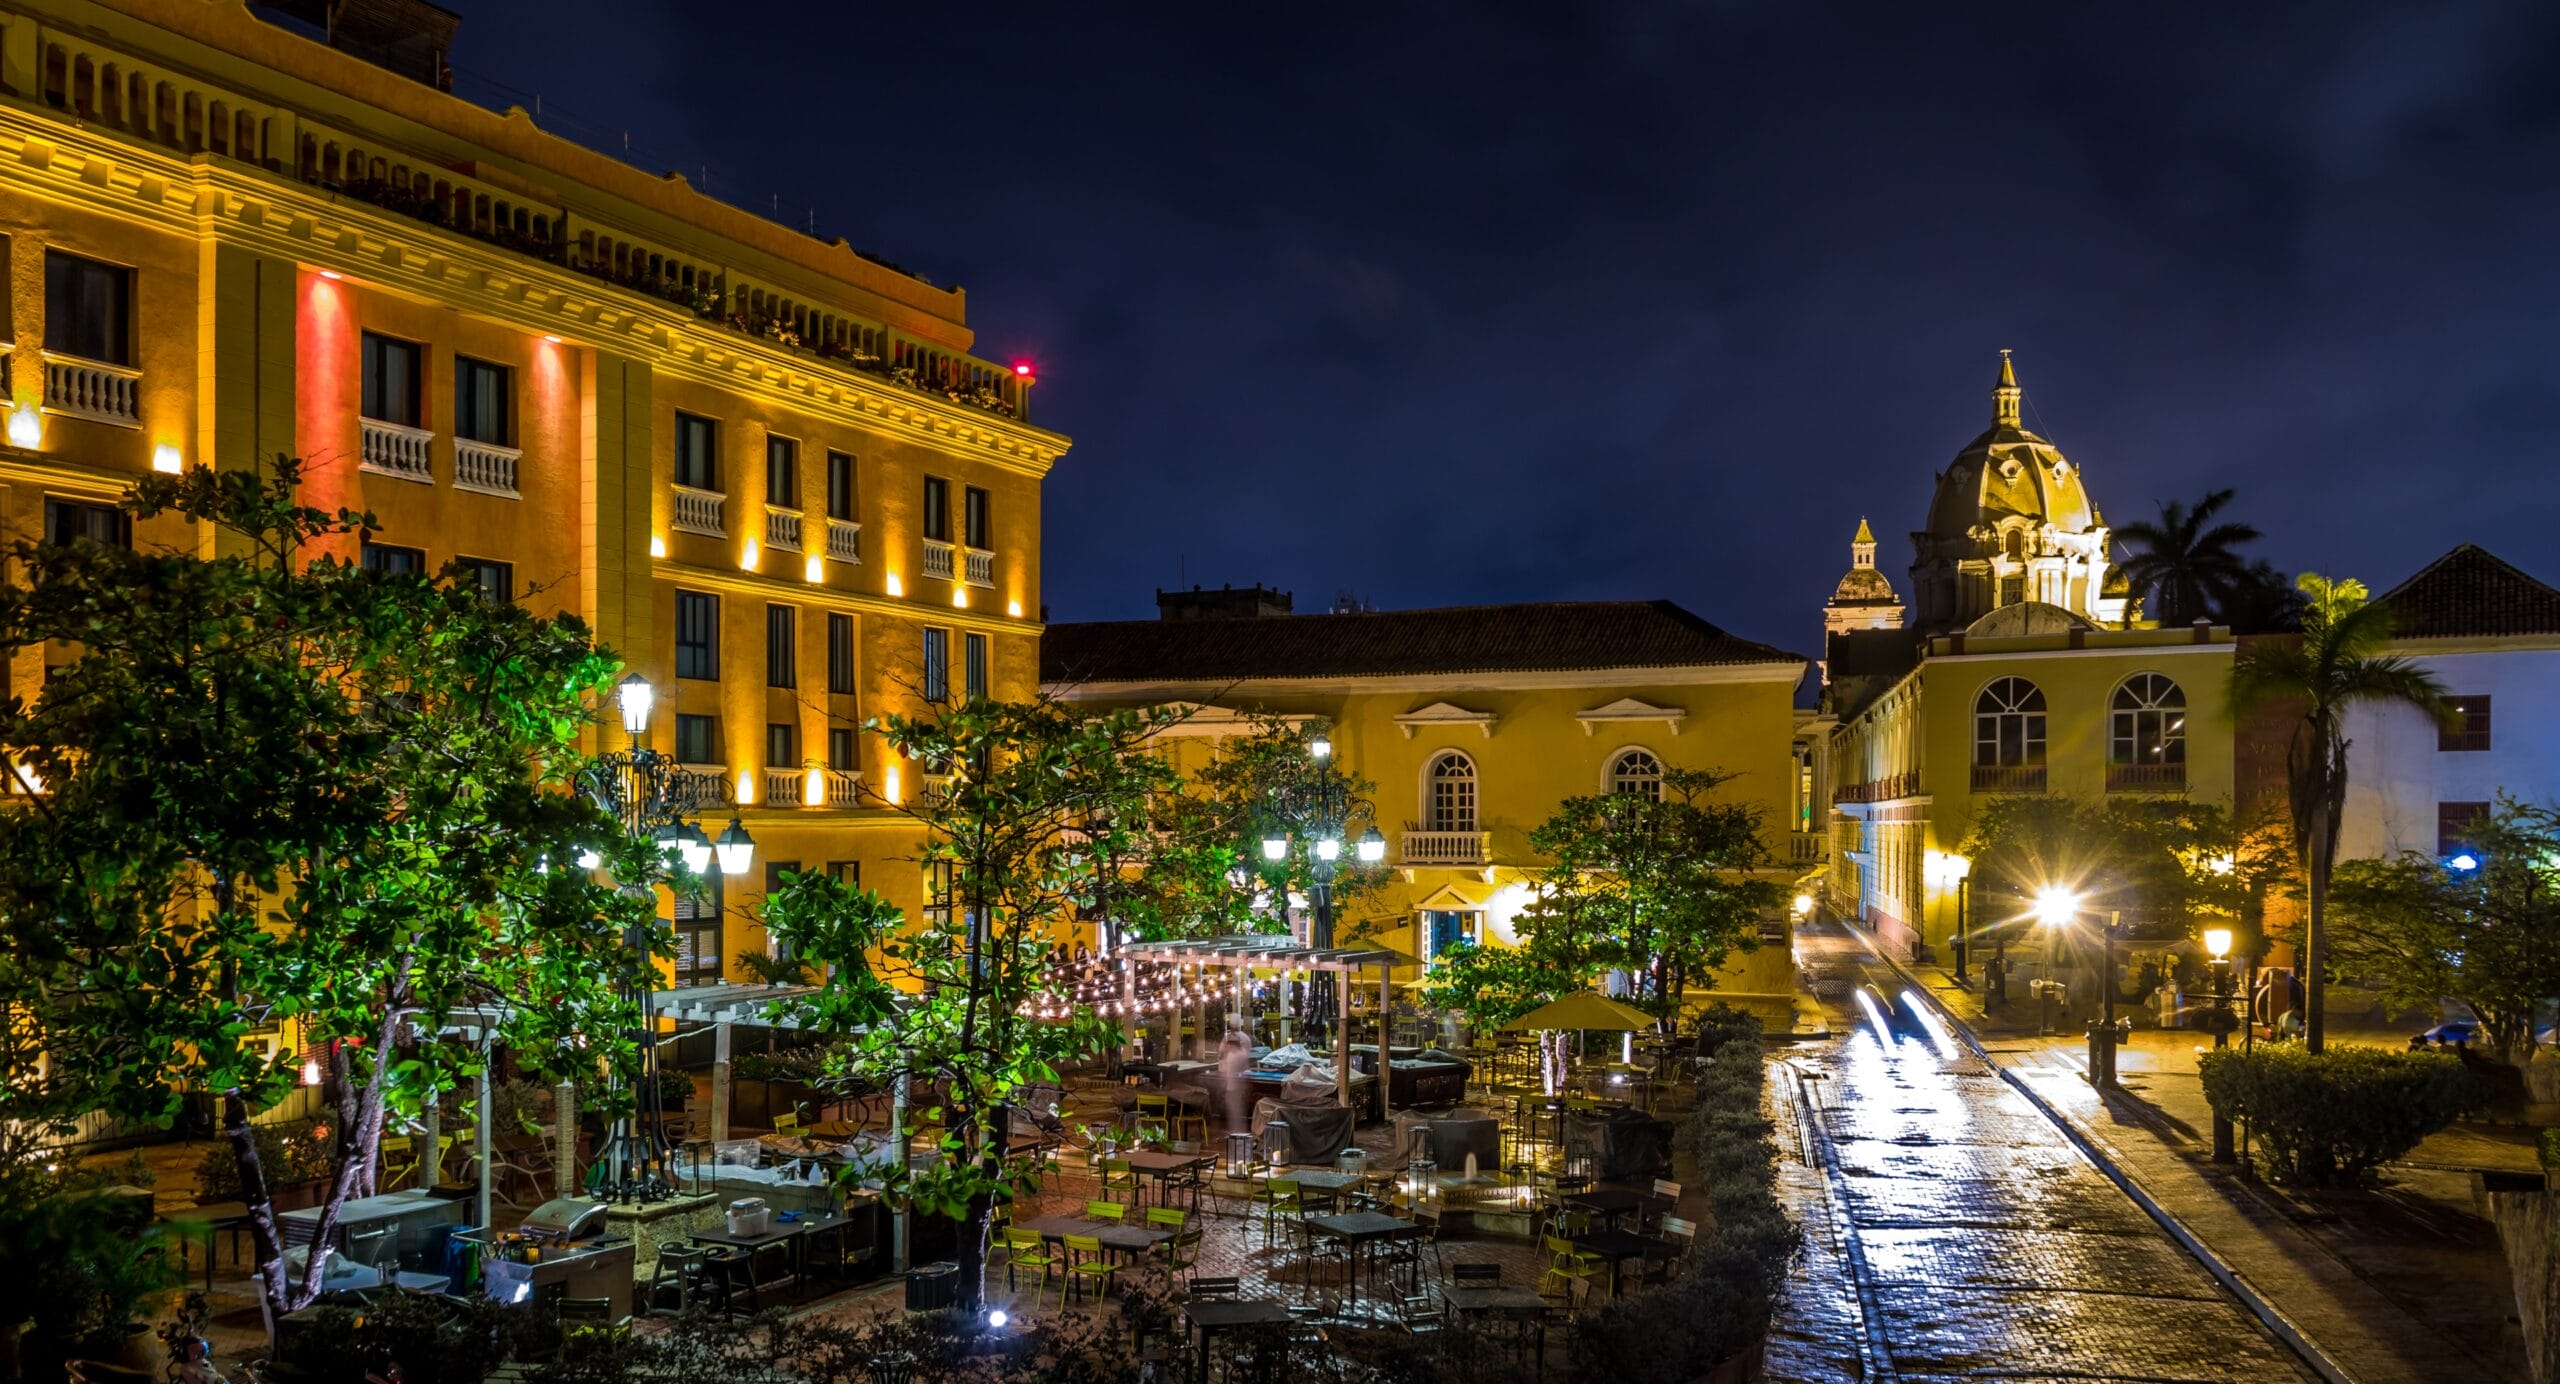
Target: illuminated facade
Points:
(1475, 723)
(763, 467)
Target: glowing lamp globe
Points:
(1275, 847)
(1373, 847)
(2217, 940)
(736, 849)
(635, 695)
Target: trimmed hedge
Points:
(2331, 1118)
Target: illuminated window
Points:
(2470, 728)
(391, 379)
(697, 635)
(88, 309)
(697, 923)
(1636, 772)
(697, 452)
(1452, 803)
(2147, 723)
(2008, 724)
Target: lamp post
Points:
(655, 799)
(2054, 909)
(1318, 807)
(2217, 944)
(1949, 872)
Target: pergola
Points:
(1246, 954)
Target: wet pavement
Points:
(1954, 1232)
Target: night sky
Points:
(1438, 304)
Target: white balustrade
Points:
(485, 467)
(698, 511)
(782, 529)
(935, 789)
(397, 450)
(982, 567)
(92, 389)
(844, 540)
(844, 787)
(784, 788)
(937, 560)
(1446, 847)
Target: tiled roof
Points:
(2468, 592)
(1553, 636)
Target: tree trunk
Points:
(262, 1210)
(358, 1146)
(2315, 947)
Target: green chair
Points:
(1118, 1176)
(1106, 1211)
(1171, 1218)
(1085, 1261)
(1024, 1249)
(1279, 1197)
(1569, 1265)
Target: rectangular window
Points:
(88, 309)
(697, 922)
(694, 737)
(67, 521)
(937, 509)
(937, 892)
(973, 665)
(386, 557)
(697, 452)
(2454, 824)
(781, 472)
(483, 402)
(840, 654)
(850, 871)
(697, 635)
(781, 648)
(841, 755)
(839, 485)
(937, 665)
(2471, 730)
(979, 528)
(781, 745)
(497, 579)
(391, 380)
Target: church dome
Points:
(1864, 586)
(2006, 475)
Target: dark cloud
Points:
(1443, 302)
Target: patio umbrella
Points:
(1580, 1010)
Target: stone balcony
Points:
(1445, 848)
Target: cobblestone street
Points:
(1953, 1232)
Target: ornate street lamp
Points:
(654, 799)
(1317, 805)
(2217, 944)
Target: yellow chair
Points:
(1184, 1119)
(1085, 1261)
(1172, 1218)
(1278, 1198)
(1024, 1249)
(1106, 1211)
(1154, 1117)
(1118, 1176)
(1568, 1266)
(1183, 1251)
(399, 1159)
(787, 1122)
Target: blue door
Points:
(1446, 930)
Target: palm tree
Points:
(2187, 561)
(2337, 662)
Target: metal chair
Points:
(1086, 1261)
(680, 1269)
(1024, 1249)
(1567, 1266)
(1106, 1211)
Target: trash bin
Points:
(931, 1287)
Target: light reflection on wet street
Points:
(1953, 1232)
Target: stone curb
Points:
(2264, 1310)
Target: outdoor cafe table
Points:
(214, 1217)
(1120, 1239)
(1613, 1202)
(1209, 1316)
(1618, 1246)
(1510, 1301)
(793, 1239)
(1329, 1183)
(1359, 1229)
(1162, 1166)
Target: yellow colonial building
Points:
(2031, 673)
(1475, 723)
(763, 466)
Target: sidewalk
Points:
(2400, 1283)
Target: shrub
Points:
(1720, 1024)
(2331, 1118)
(289, 1152)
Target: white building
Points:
(2491, 635)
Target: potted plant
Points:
(86, 1273)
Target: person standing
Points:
(1235, 1058)
(1995, 983)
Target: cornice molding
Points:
(1244, 689)
(783, 589)
(1444, 714)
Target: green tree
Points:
(1268, 782)
(285, 789)
(2311, 681)
(2165, 867)
(954, 1002)
(2486, 937)
(2189, 564)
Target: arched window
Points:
(2008, 724)
(2014, 547)
(1452, 792)
(2147, 722)
(1637, 772)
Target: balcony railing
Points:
(785, 788)
(1903, 785)
(2008, 778)
(844, 787)
(937, 560)
(1806, 847)
(698, 511)
(1446, 847)
(844, 540)
(982, 566)
(933, 789)
(485, 467)
(93, 389)
(782, 529)
(396, 449)
(2147, 778)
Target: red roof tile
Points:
(2468, 592)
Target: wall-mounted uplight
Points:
(657, 546)
(554, 340)
(1014, 609)
(895, 588)
(889, 785)
(746, 788)
(26, 427)
(813, 789)
(331, 275)
(747, 560)
(815, 569)
(960, 598)
(165, 458)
